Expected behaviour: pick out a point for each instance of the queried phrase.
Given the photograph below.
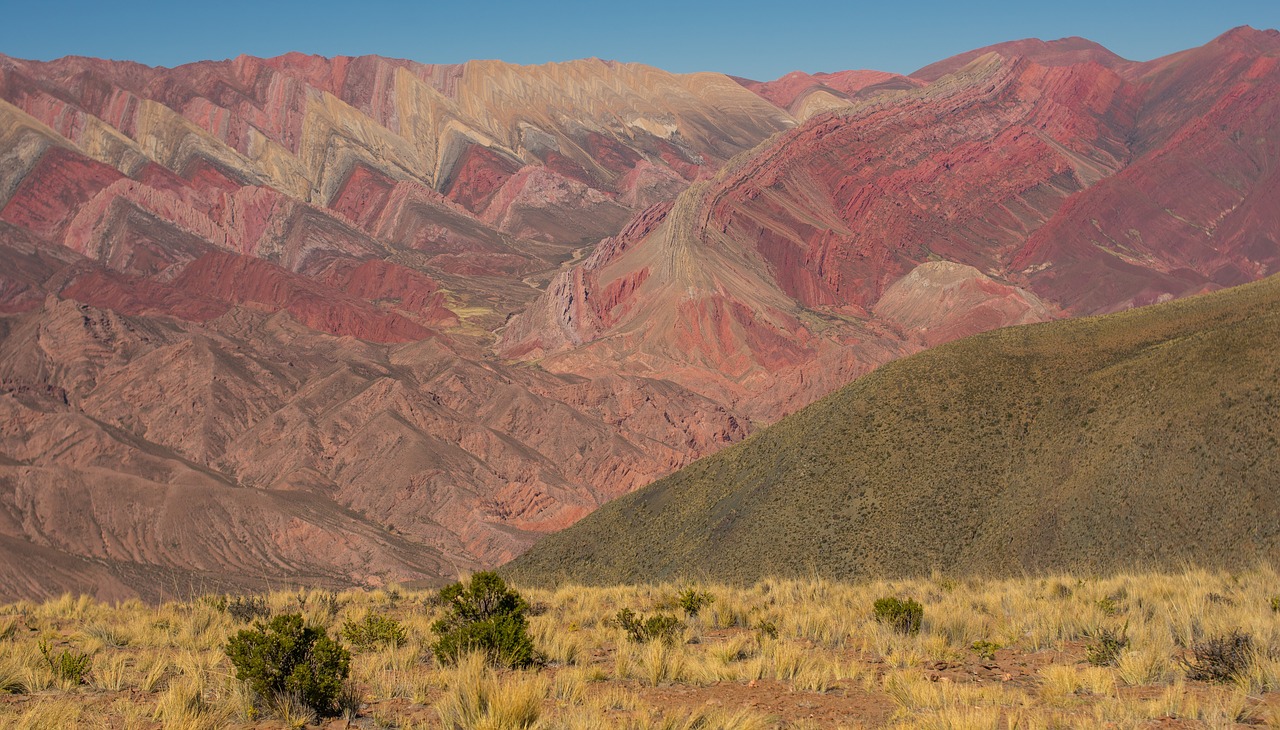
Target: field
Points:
(989, 654)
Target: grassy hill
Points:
(1141, 439)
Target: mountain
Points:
(806, 95)
(381, 320)
(1063, 190)
(1141, 439)
(1071, 51)
(249, 306)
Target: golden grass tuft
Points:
(476, 699)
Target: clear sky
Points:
(747, 38)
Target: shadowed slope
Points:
(1143, 438)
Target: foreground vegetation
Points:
(1195, 649)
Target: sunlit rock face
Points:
(356, 320)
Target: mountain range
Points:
(353, 320)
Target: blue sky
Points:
(747, 38)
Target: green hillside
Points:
(1141, 439)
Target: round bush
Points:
(287, 657)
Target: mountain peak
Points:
(1248, 38)
(1060, 52)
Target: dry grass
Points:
(831, 664)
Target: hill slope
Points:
(1142, 438)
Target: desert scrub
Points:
(693, 601)
(660, 627)
(765, 629)
(902, 616)
(985, 649)
(373, 631)
(486, 617)
(69, 667)
(1103, 645)
(1220, 658)
(287, 658)
(247, 608)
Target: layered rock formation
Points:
(380, 320)
(250, 305)
(806, 95)
(1061, 184)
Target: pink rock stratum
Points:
(354, 320)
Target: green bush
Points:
(692, 601)
(1103, 645)
(372, 631)
(986, 649)
(69, 665)
(486, 617)
(904, 616)
(661, 626)
(1275, 604)
(286, 657)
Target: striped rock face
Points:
(354, 320)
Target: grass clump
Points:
(905, 617)
(286, 658)
(486, 617)
(659, 627)
(374, 631)
(477, 699)
(1220, 658)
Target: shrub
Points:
(661, 626)
(485, 617)
(1275, 604)
(986, 649)
(764, 627)
(692, 601)
(69, 665)
(1104, 645)
(372, 631)
(904, 616)
(248, 608)
(1220, 658)
(288, 658)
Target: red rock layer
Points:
(790, 91)
(1062, 179)
(247, 309)
(279, 299)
